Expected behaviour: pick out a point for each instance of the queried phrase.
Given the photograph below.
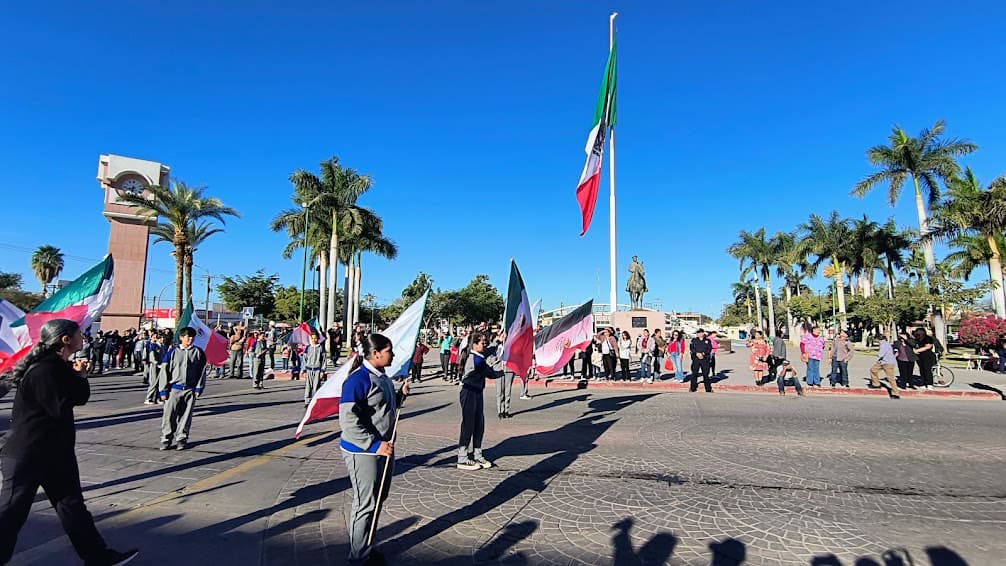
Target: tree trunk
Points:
(179, 279)
(939, 326)
(323, 320)
(840, 291)
(345, 294)
(889, 273)
(996, 272)
(771, 305)
(333, 254)
(789, 314)
(758, 304)
(357, 272)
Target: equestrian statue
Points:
(637, 283)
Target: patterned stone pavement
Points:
(582, 477)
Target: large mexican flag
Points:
(82, 301)
(518, 348)
(604, 118)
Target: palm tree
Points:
(829, 241)
(863, 255)
(927, 159)
(180, 208)
(791, 264)
(970, 253)
(969, 209)
(366, 235)
(334, 196)
(197, 234)
(891, 246)
(742, 294)
(757, 254)
(47, 263)
(306, 191)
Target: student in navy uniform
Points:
(367, 412)
(39, 451)
(478, 368)
(182, 382)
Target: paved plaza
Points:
(602, 476)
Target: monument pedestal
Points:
(638, 321)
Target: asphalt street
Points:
(581, 477)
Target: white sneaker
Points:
(483, 463)
(525, 396)
(468, 464)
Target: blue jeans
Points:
(781, 382)
(813, 372)
(840, 373)
(645, 366)
(678, 373)
(658, 366)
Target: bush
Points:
(982, 331)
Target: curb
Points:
(768, 389)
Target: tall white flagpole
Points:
(613, 292)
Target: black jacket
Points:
(41, 426)
(703, 346)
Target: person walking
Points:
(314, 365)
(270, 344)
(700, 348)
(235, 353)
(416, 369)
(478, 369)
(368, 410)
(659, 348)
(758, 360)
(843, 353)
(445, 354)
(625, 354)
(587, 367)
(258, 356)
(39, 449)
(676, 350)
(182, 381)
(925, 349)
(886, 359)
(155, 350)
(906, 356)
(811, 350)
(715, 344)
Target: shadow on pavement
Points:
(985, 387)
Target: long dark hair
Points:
(371, 343)
(50, 342)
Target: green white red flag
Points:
(518, 348)
(82, 301)
(604, 118)
(211, 342)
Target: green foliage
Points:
(10, 290)
(10, 280)
(410, 294)
(256, 291)
(47, 263)
(480, 301)
(287, 303)
(734, 315)
(809, 307)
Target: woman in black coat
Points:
(40, 445)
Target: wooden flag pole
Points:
(384, 476)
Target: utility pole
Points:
(206, 311)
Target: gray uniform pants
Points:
(365, 475)
(235, 364)
(177, 416)
(311, 384)
(257, 371)
(504, 389)
(152, 393)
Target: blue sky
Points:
(471, 118)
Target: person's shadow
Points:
(657, 550)
(729, 552)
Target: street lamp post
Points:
(303, 271)
(369, 297)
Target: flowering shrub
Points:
(982, 330)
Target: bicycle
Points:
(942, 375)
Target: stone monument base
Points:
(638, 321)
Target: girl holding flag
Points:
(368, 414)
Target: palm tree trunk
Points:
(179, 279)
(757, 289)
(345, 295)
(996, 272)
(840, 291)
(356, 288)
(323, 320)
(939, 326)
(333, 254)
(789, 314)
(771, 304)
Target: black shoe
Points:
(375, 559)
(114, 558)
